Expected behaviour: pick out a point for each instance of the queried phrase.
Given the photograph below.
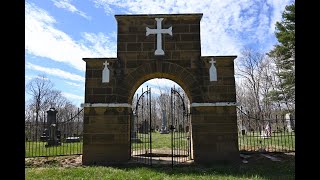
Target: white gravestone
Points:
(288, 122)
(266, 133)
(213, 71)
(159, 31)
(105, 73)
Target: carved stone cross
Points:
(105, 73)
(159, 31)
(213, 71)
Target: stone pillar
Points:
(214, 133)
(106, 137)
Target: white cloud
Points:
(56, 72)
(27, 78)
(72, 96)
(226, 26)
(73, 84)
(99, 42)
(44, 40)
(66, 4)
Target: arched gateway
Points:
(160, 46)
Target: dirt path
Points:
(76, 160)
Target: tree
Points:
(250, 69)
(284, 57)
(39, 88)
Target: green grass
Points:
(160, 141)
(36, 149)
(278, 142)
(259, 169)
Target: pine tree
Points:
(284, 56)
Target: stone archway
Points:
(111, 82)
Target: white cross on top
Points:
(159, 31)
(106, 63)
(212, 61)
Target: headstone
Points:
(187, 128)
(54, 138)
(163, 129)
(288, 121)
(213, 71)
(45, 135)
(266, 133)
(144, 127)
(134, 137)
(72, 139)
(51, 117)
(243, 130)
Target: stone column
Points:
(214, 133)
(106, 137)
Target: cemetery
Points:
(208, 126)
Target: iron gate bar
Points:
(142, 151)
(179, 139)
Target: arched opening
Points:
(160, 124)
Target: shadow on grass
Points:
(257, 166)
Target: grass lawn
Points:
(279, 142)
(161, 141)
(258, 167)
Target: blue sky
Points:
(59, 33)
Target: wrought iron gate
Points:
(141, 131)
(180, 129)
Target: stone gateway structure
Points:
(160, 46)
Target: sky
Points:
(59, 33)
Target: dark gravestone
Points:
(54, 134)
(187, 128)
(243, 132)
(45, 135)
(144, 127)
(134, 137)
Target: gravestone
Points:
(134, 137)
(187, 129)
(45, 135)
(72, 139)
(54, 139)
(288, 122)
(266, 133)
(144, 127)
(163, 129)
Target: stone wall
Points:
(106, 135)
(214, 127)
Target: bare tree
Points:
(250, 70)
(258, 80)
(39, 88)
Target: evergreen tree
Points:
(284, 56)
